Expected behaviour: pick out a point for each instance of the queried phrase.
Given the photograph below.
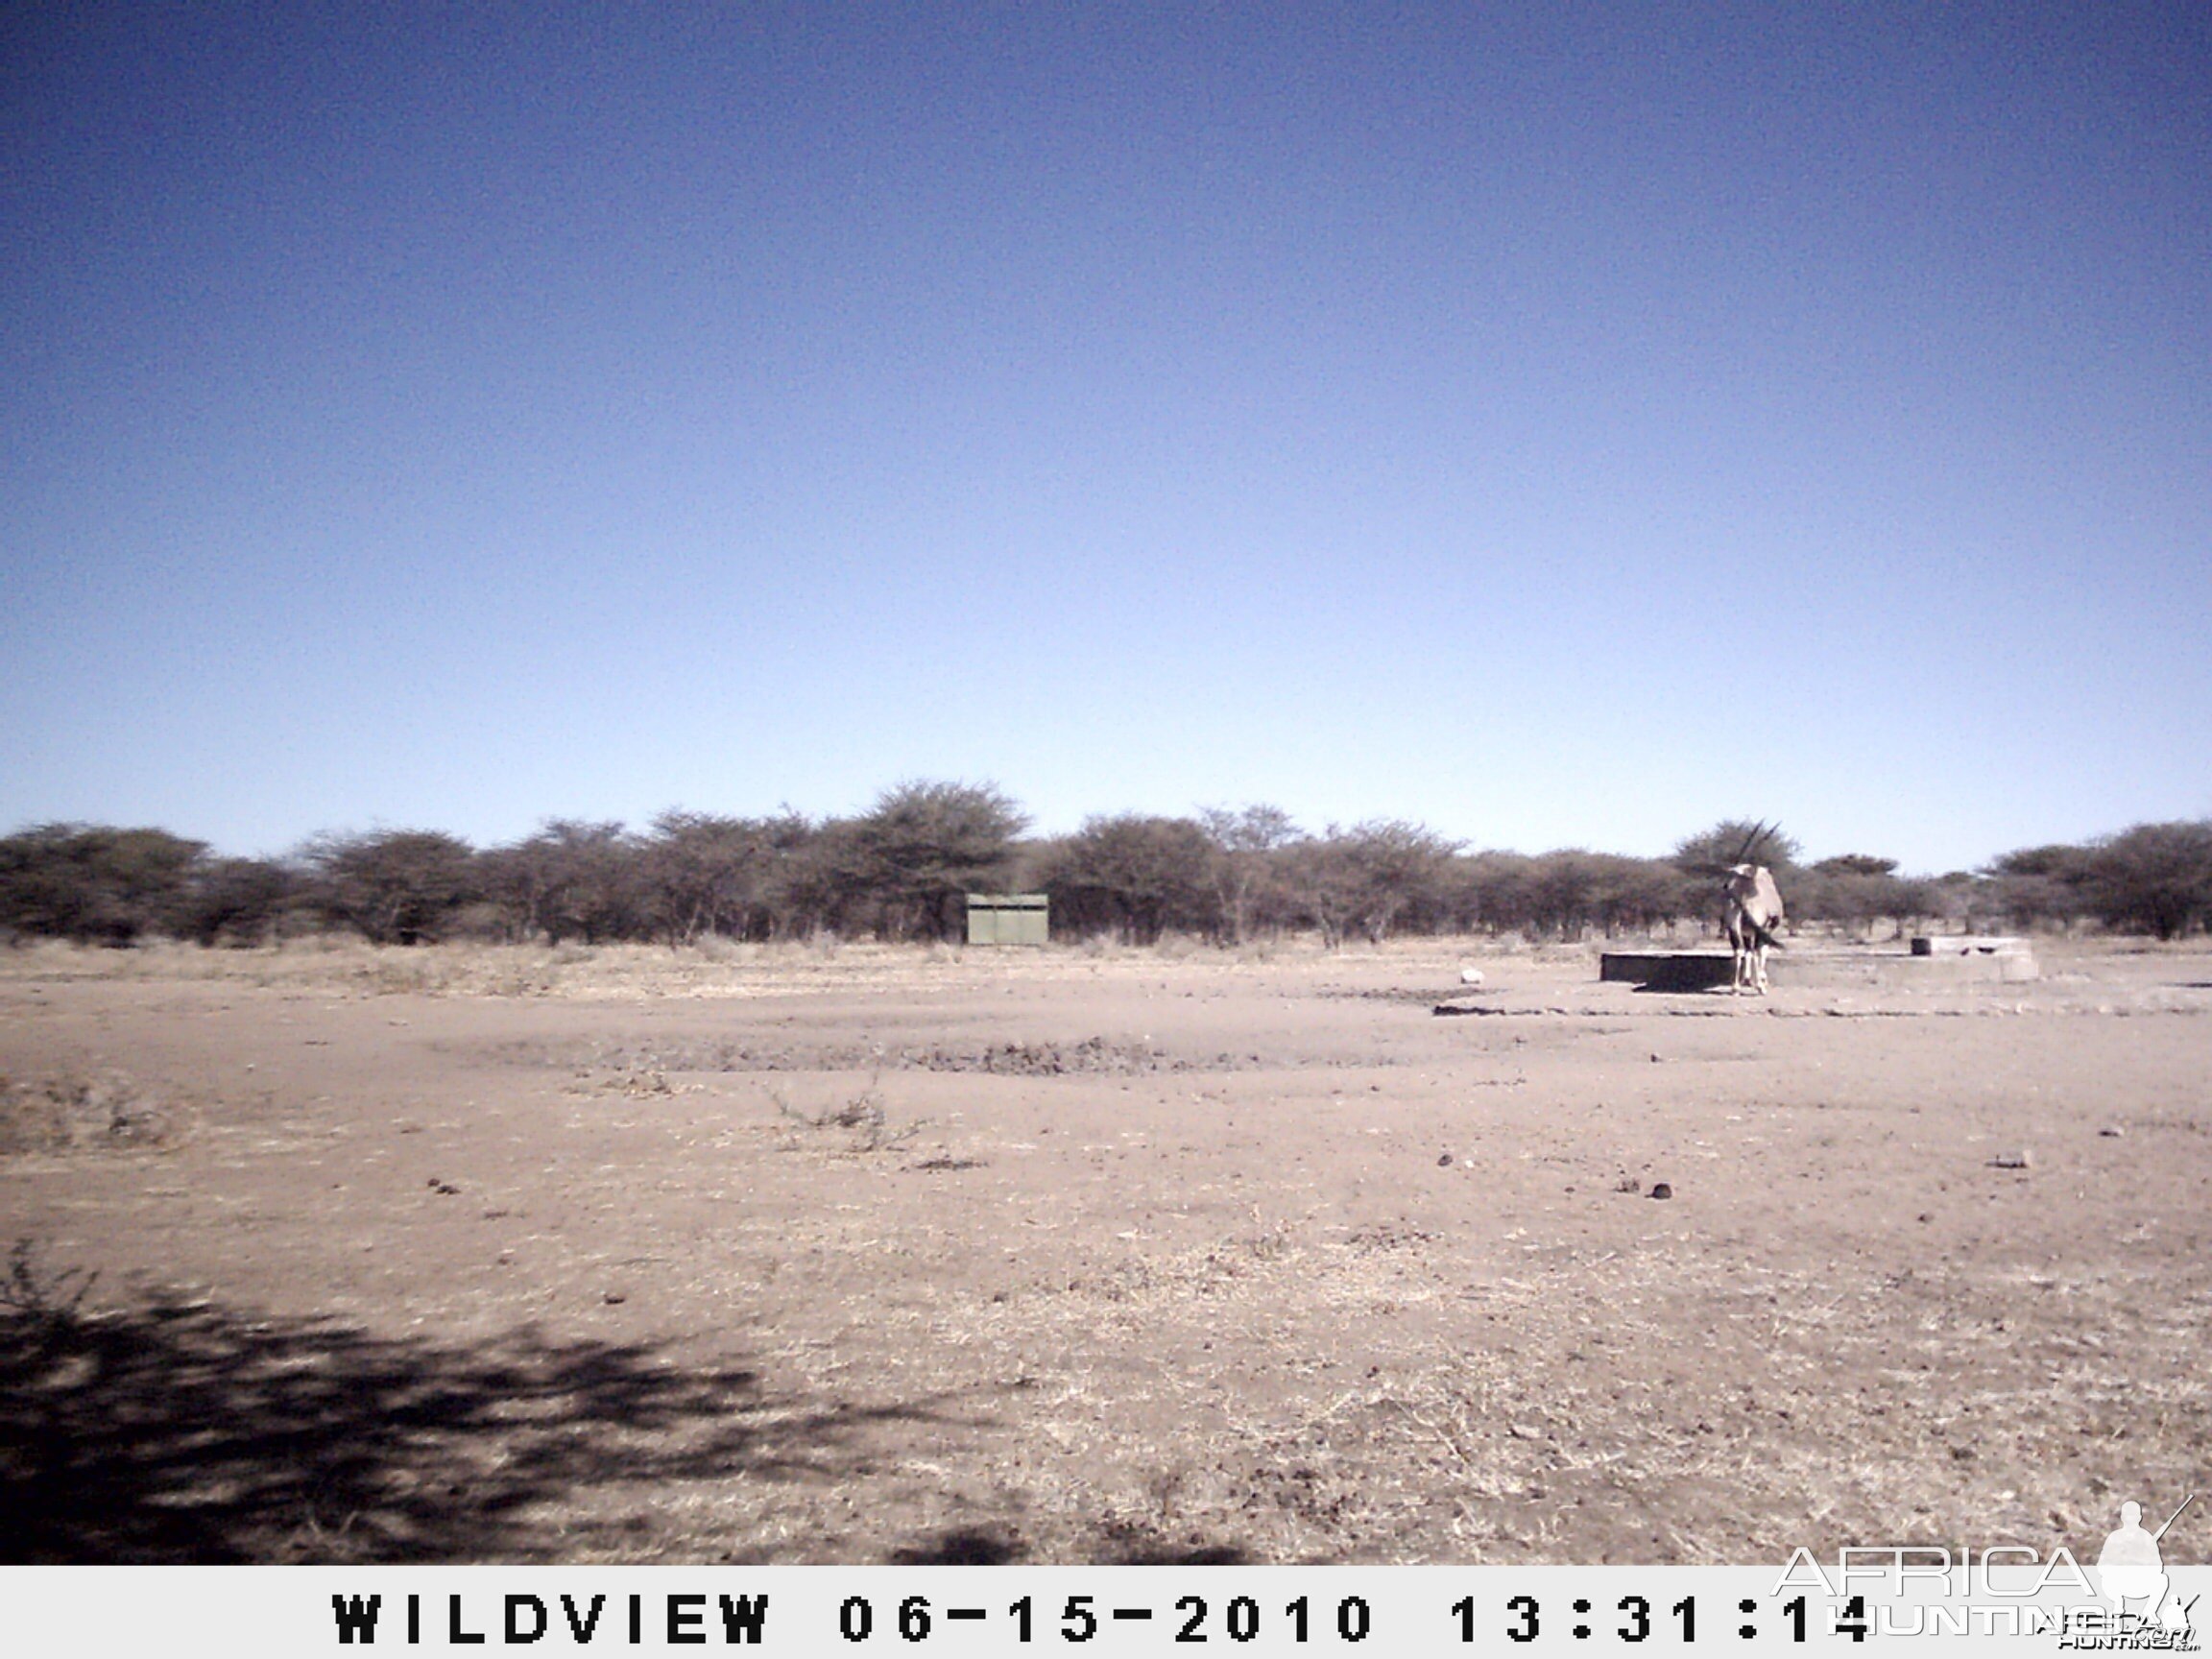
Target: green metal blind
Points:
(1008, 918)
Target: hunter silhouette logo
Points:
(2130, 1569)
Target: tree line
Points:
(900, 871)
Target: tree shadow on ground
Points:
(192, 1433)
(1114, 1544)
(962, 1547)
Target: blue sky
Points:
(1558, 426)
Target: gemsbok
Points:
(1754, 911)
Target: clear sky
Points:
(1558, 426)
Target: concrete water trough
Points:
(1668, 970)
(1929, 961)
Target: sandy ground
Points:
(870, 1255)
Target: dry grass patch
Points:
(107, 1111)
(862, 1118)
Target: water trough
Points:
(1947, 960)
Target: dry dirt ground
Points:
(867, 1255)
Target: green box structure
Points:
(1008, 918)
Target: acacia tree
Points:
(819, 883)
(704, 873)
(236, 901)
(1137, 875)
(1362, 880)
(95, 883)
(2038, 884)
(1246, 866)
(2154, 878)
(1636, 895)
(1563, 890)
(571, 880)
(394, 886)
(1489, 890)
(922, 847)
(1856, 890)
(788, 903)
